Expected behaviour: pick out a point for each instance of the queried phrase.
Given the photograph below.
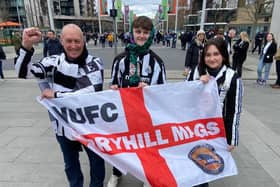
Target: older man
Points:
(71, 72)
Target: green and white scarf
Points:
(134, 51)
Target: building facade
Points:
(244, 15)
(218, 14)
(13, 10)
(81, 12)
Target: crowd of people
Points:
(67, 69)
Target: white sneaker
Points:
(113, 181)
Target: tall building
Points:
(218, 14)
(35, 15)
(244, 15)
(81, 12)
(13, 10)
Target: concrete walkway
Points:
(30, 156)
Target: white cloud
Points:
(140, 7)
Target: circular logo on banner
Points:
(205, 157)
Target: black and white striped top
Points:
(231, 91)
(64, 77)
(150, 66)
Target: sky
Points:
(140, 7)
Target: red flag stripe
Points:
(133, 103)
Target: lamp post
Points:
(50, 14)
(99, 20)
(203, 15)
(176, 16)
(113, 14)
(19, 21)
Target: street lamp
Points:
(113, 14)
(203, 15)
(19, 21)
(50, 14)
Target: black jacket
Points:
(270, 52)
(193, 54)
(240, 51)
(2, 54)
(52, 47)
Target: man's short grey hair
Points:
(71, 26)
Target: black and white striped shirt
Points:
(231, 90)
(151, 69)
(65, 78)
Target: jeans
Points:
(257, 45)
(70, 150)
(266, 67)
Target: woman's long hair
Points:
(221, 45)
(244, 36)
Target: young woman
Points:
(137, 66)
(240, 53)
(266, 59)
(194, 51)
(215, 64)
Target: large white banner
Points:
(165, 135)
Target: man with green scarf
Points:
(137, 66)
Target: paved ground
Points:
(30, 156)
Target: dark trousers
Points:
(259, 46)
(1, 70)
(70, 150)
(277, 72)
(168, 43)
(202, 185)
(237, 65)
(116, 172)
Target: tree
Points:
(258, 9)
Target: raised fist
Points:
(31, 36)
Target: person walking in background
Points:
(229, 39)
(190, 36)
(258, 42)
(16, 41)
(194, 52)
(240, 53)
(2, 57)
(183, 38)
(167, 38)
(72, 72)
(95, 38)
(277, 58)
(215, 63)
(266, 59)
(137, 66)
(110, 39)
(52, 45)
(174, 39)
(102, 39)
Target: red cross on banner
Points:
(155, 167)
(154, 138)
